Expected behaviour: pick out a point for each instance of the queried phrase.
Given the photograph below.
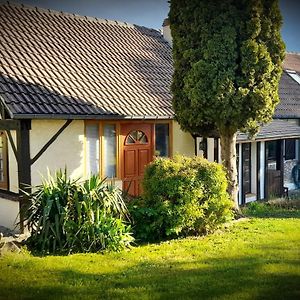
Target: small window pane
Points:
(143, 139)
(162, 139)
(92, 151)
(134, 135)
(290, 149)
(130, 140)
(110, 151)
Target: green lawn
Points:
(251, 259)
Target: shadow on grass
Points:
(275, 214)
(236, 278)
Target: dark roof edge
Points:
(269, 138)
(282, 117)
(87, 117)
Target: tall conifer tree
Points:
(227, 58)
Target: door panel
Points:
(143, 160)
(274, 168)
(130, 163)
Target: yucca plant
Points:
(45, 214)
(95, 220)
(67, 216)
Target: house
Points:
(91, 95)
(88, 94)
(269, 164)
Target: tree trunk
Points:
(228, 155)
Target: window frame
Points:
(119, 147)
(102, 151)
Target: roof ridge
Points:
(73, 15)
(293, 52)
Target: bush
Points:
(182, 196)
(65, 216)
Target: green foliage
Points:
(182, 196)
(227, 57)
(278, 208)
(65, 216)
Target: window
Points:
(3, 160)
(162, 140)
(203, 146)
(294, 75)
(246, 168)
(290, 149)
(273, 155)
(92, 149)
(110, 151)
(136, 137)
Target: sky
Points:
(151, 13)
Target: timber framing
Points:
(24, 167)
(48, 144)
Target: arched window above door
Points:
(136, 137)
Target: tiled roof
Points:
(289, 93)
(277, 129)
(289, 89)
(55, 64)
(59, 65)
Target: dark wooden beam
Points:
(53, 138)
(9, 124)
(24, 167)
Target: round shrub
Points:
(182, 196)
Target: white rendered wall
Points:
(66, 151)
(167, 34)
(262, 170)
(12, 165)
(9, 211)
(210, 149)
(183, 142)
(254, 168)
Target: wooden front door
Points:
(274, 169)
(137, 145)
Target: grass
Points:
(257, 258)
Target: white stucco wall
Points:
(66, 151)
(183, 142)
(210, 149)
(12, 165)
(262, 169)
(9, 211)
(254, 168)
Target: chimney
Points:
(167, 31)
